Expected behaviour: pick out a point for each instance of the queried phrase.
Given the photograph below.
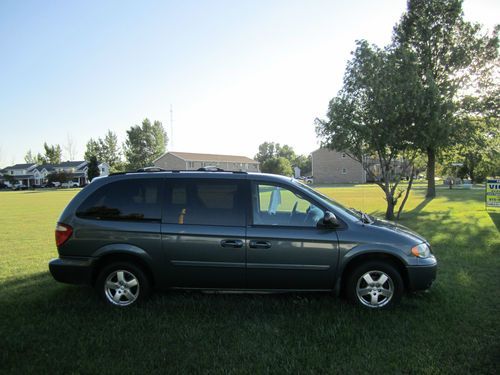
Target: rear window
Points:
(134, 200)
(205, 203)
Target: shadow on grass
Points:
(495, 217)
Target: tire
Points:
(123, 284)
(375, 285)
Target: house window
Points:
(344, 170)
(191, 164)
(344, 155)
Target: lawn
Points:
(47, 327)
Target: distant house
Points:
(22, 173)
(193, 161)
(35, 175)
(336, 167)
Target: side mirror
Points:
(329, 220)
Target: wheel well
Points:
(121, 257)
(353, 263)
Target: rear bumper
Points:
(421, 277)
(72, 270)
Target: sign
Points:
(493, 193)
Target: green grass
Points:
(47, 327)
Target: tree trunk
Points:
(389, 212)
(431, 169)
(407, 194)
(472, 175)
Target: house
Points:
(336, 167)
(36, 175)
(193, 161)
(21, 173)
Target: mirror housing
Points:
(329, 220)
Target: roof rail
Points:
(155, 169)
(151, 169)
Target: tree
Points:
(110, 150)
(450, 52)
(93, 149)
(29, 158)
(277, 165)
(53, 154)
(60, 177)
(478, 150)
(144, 144)
(93, 168)
(372, 118)
(271, 151)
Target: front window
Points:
(275, 205)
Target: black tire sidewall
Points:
(144, 283)
(386, 267)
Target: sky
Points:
(235, 73)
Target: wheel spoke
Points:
(374, 299)
(131, 283)
(117, 297)
(368, 278)
(382, 279)
(111, 285)
(386, 292)
(364, 291)
(128, 294)
(120, 276)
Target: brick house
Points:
(192, 161)
(336, 167)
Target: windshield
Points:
(357, 214)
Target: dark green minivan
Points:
(130, 233)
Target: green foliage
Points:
(478, 150)
(93, 168)
(93, 149)
(144, 144)
(373, 115)
(61, 177)
(53, 154)
(270, 153)
(30, 158)
(277, 165)
(105, 150)
(453, 57)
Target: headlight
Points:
(421, 251)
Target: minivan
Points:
(130, 233)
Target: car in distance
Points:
(129, 233)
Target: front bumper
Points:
(422, 276)
(72, 270)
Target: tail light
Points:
(63, 233)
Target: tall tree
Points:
(277, 165)
(93, 148)
(53, 153)
(144, 143)
(450, 51)
(93, 168)
(372, 118)
(110, 150)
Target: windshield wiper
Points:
(364, 217)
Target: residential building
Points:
(336, 167)
(36, 175)
(192, 161)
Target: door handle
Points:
(232, 243)
(260, 244)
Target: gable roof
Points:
(21, 166)
(69, 164)
(191, 156)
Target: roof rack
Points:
(156, 169)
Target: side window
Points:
(205, 203)
(275, 205)
(134, 200)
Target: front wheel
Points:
(375, 285)
(123, 284)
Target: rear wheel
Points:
(375, 285)
(123, 284)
